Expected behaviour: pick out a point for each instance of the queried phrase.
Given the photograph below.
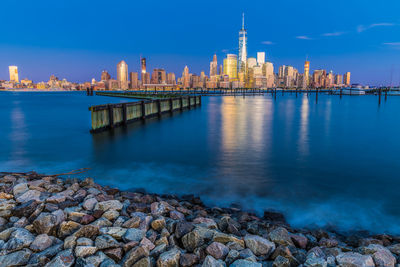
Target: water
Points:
(334, 162)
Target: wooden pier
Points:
(112, 115)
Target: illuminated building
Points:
(268, 71)
(13, 74)
(319, 77)
(214, 66)
(186, 78)
(339, 80)
(159, 76)
(122, 74)
(260, 58)
(306, 75)
(143, 64)
(251, 62)
(105, 76)
(134, 79)
(346, 78)
(230, 66)
(242, 58)
(171, 78)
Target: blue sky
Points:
(77, 39)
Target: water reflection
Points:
(303, 142)
(19, 135)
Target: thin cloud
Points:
(393, 44)
(362, 28)
(303, 37)
(329, 34)
(267, 43)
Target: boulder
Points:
(134, 234)
(133, 255)
(353, 259)
(18, 258)
(41, 242)
(84, 251)
(280, 236)
(217, 250)
(245, 263)
(64, 258)
(192, 240)
(109, 205)
(169, 258)
(258, 245)
(45, 223)
(209, 261)
(106, 241)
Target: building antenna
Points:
(243, 21)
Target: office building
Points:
(13, 74)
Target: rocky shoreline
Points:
(51, 221)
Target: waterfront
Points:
(334, 161)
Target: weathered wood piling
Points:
(113, 115)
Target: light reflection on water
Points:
(331, 162)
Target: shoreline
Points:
(46, 220)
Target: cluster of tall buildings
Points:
(236, 71)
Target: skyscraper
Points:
(260, 58)
(171, 78)
(214, 66)
(242, 58)
(105, 76)
(186, 77)
(134, 78)
(251, 62)
(306, 76)
(143, 64)
(122, 74)
(13, 74)
(230, 66)
(159, 76)
(346, 78)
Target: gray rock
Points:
(217, 250)
(41, 258)
(135, 254)
(134, 234)
(30, 195)
(383, 258)
(19, 189)
(41, 242)
(108, 205)
(352, 259)
(188, 259)
(45, 223)
(209, 261)
(89, 204)
(281, 236)
(84, 241)
(281, 262)
(70, 242)
(64, 258)
(192, 240)
(20, 238)
(18, 258)
(116, 232)
(84, 251)
(315, 262)
(258, 245)
(169, 258)
(106, 241)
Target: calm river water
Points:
(334, 162)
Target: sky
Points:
(77, 39)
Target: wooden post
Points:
(111, 116)
(143, 110)
(124, 114)
(181, 101)
(159, 107)
(171, 105)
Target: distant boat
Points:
(350, 91)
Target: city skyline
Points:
(364, 40)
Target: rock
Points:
(111, 215)
(18, 258)
(158, 250)
(135, 254)
(160, 208)
(87, 219)
(206, 222)
(144, 262)
(258, 245)
(106, 241)
(169, 258)
(89, 231)
(25, 209)
(245, 263)
(70, 242)
(89, 204)
(182, 228)
(176, 215)
(383, 258)
(211, 262)
(315, 262)
(188, 259)
(299, 240)
(114, 253)
(64, 258)
(109, 205)
(96, 260)
(192, 240)
(67, 228)
(224, 239)
(30, 195)
(45, 223)
(84, 241)
(6, 206)
(352, 259)
(19, 189)
(20, 238)
(217, 250)
(132, 223)
(57, 198)
(116, 232)
(158, 224)
(146, 243)
(328, 242)
(281, 236)
(6, 196)
(134, 234)
(83, 251)
(41, 242)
